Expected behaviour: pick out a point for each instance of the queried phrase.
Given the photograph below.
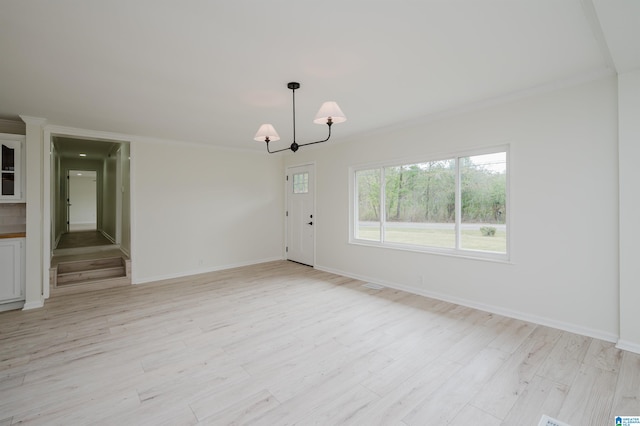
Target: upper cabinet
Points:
(11, 168)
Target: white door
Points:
(300, 212)
(82, 201)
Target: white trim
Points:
(34, 304)
(36, 121)
(108, 237)
(11, 306)
(547, 322)
(205, 270)
(122, 137)
(49, 131)
(626, 345)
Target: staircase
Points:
(90, 274)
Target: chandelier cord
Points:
(293, 95)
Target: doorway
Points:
(82, 200)
(300, 214)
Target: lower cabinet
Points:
(11, 271)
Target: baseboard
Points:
(626, 345)
(199, 271)
(108, 237)
(34, 304)
(547, 322)
(11, 306)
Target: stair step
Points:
(90, 264)
(90, 275)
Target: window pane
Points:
(301, 183)
(420, 204)
(483, 193)
(367, 226)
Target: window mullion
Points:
(383, 203)
(458, 203)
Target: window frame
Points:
(457, 251)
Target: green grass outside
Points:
(470, 239)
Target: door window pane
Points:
(301, 183)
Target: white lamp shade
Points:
(329, 110)
(266, 131)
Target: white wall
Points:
(199, 209)
(629, 140)
(564, 268)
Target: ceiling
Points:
(68, 147)
(212, 71)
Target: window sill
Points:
(462, 254)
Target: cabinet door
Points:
(11, 270)
(11, 168)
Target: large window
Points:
(455, 205)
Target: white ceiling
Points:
(212, 71)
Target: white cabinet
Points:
(11, 270)
(11, 168)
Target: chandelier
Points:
(328, 114)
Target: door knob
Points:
(310, 223)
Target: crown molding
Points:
(37, 121)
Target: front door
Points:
(300, 212)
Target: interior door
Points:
(81, 200)
(300, 214)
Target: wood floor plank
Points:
(281, 343)
(541, 396)
(626, 399)
(563, 364)
(402, 398)
(443, 405)
(590, 397)
(503, 390)
(243, 411)
(471, 415)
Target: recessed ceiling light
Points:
(83, 155)
(79, 174)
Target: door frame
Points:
(287, 173)
(50, 131)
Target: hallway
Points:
(82, 239)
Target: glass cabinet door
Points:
(10, 169)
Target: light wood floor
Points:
(281, 343)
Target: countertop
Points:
(13, 235)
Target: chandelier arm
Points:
(273, 152)
(323, 140)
